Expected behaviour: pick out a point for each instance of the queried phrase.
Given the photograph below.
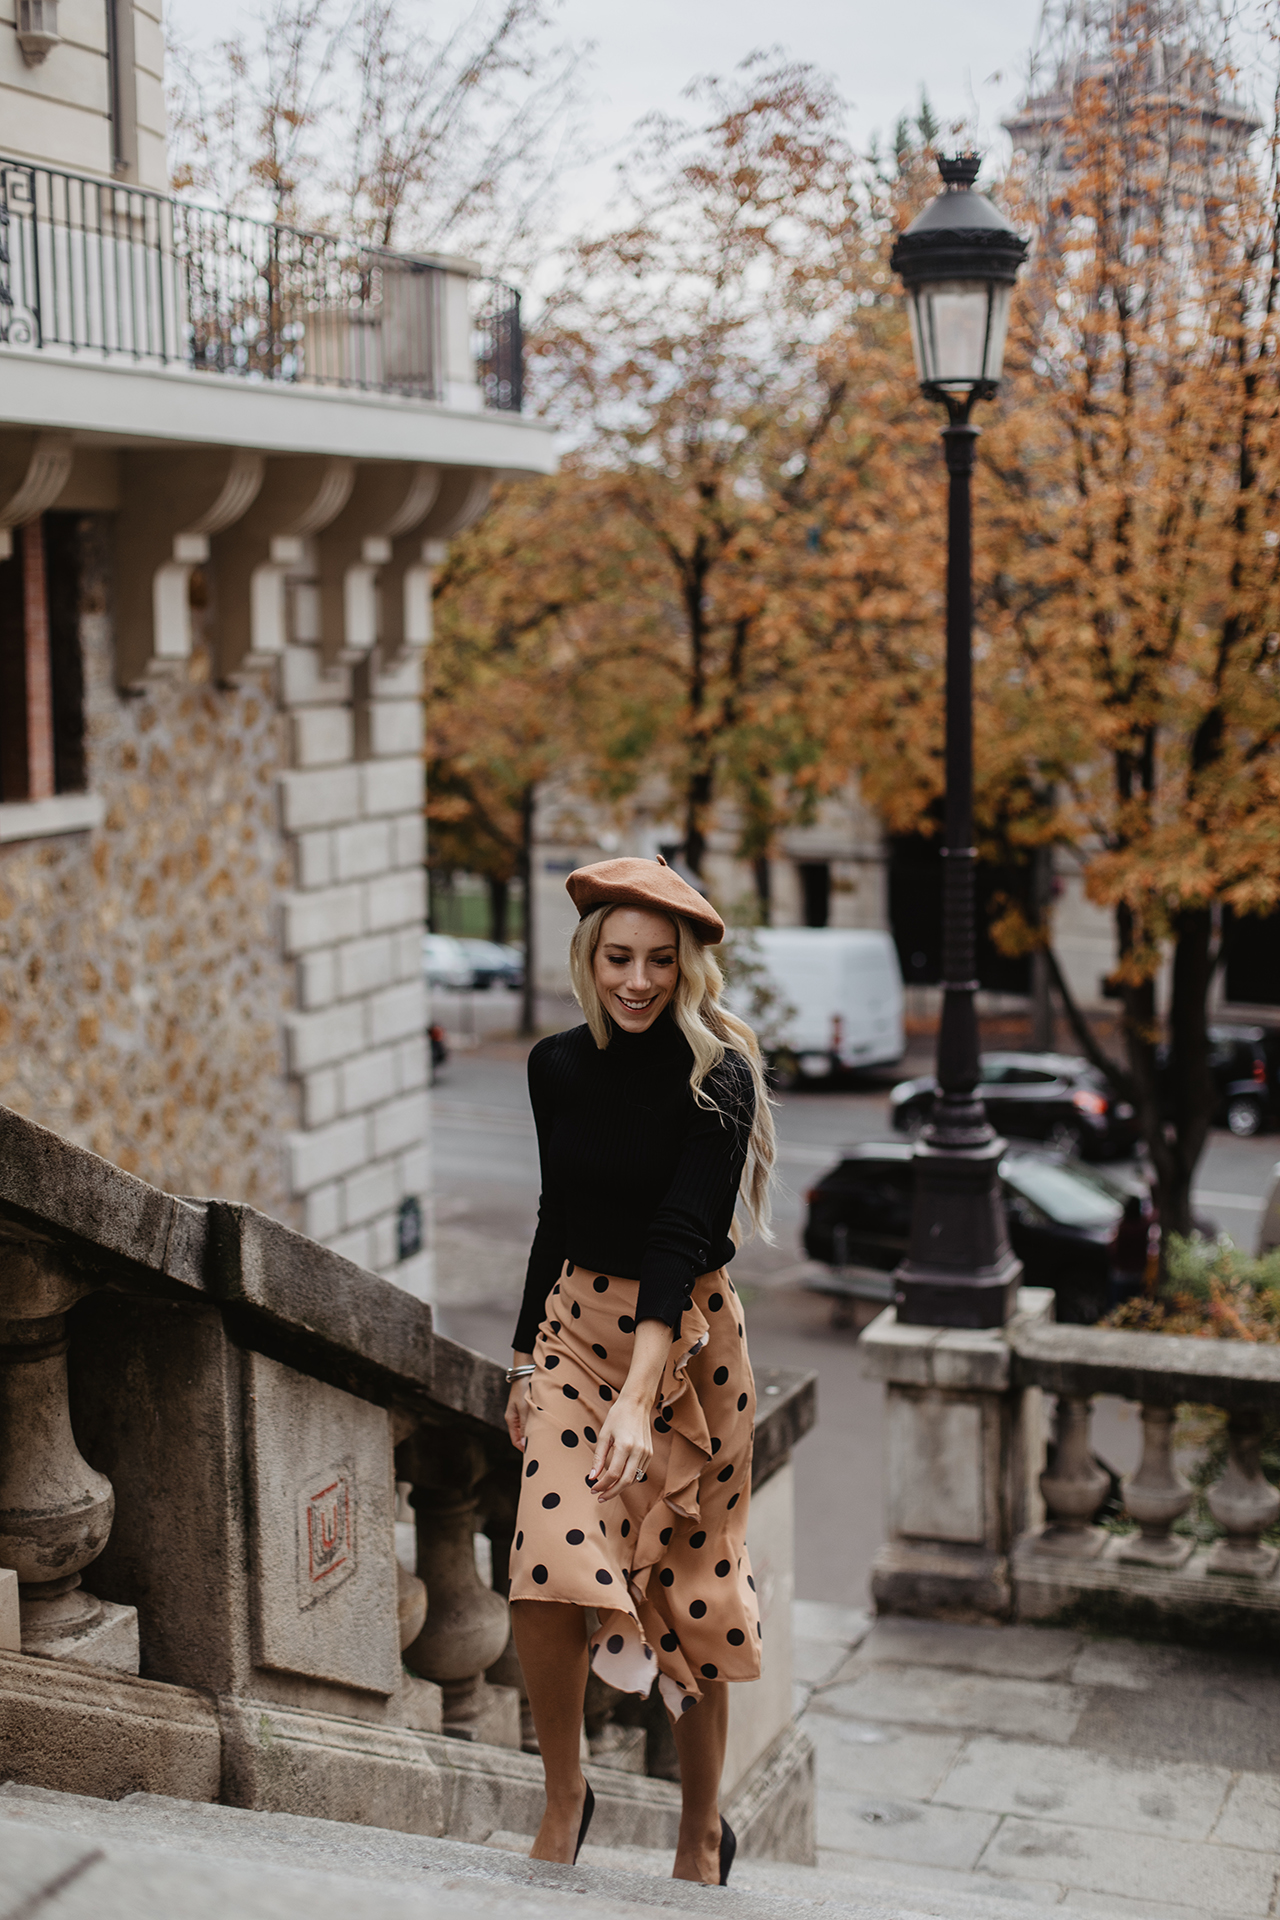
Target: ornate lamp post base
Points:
(959, 1270)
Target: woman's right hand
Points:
(514, 1415)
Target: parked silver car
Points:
(444, 962)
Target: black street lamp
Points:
(958, 261)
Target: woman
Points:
(631, 1391)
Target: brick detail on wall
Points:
(351, 925)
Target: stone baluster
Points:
(1244, 1503)
(1156, 1496)
(467, 1624)
(1074, 1487)
(55, 1510)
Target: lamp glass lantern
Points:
(958, 261)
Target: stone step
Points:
(134, 1859)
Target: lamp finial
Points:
(960, 169)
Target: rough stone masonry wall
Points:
(142, 987)
(221, 988)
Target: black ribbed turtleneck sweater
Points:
(638, 1180)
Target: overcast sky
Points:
(970, 58)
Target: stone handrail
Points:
(206, 1415)
(1154, 1368)
(986, 1517)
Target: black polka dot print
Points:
(662, 1548)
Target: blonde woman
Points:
(632, 1398)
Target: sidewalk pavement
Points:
(1044, 1767)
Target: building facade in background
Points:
(230, 457)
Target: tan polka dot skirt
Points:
(664, 1563)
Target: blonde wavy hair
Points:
(711, 1030)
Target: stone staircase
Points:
(146, 1857)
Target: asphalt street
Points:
(486, 1197)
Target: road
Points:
(486, 1197)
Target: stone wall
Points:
(142, 987)
(220, 988)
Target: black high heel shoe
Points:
(588, 1808)
(728, 1847)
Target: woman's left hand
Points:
(624, 1449)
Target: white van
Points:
(846, 988)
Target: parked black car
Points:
(1245, 1064)
(1074, 1229)
(1050, 1097)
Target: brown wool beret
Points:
(644, 883)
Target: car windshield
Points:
(1074, 1196)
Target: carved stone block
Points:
(322, 1515)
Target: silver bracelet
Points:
(519, 1373)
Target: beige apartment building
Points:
(230, 457)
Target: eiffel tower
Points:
(1164, 61)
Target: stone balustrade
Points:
(208, 1424)
(989, 1516)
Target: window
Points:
(815, 887)
(41, 681)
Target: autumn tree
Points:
(683, 354)
(366, 122)
(1128, 590)
(530, 669)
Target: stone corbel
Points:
(300, 496)
(173, 503)
(34, 468)
(406, 580)
(389, 500)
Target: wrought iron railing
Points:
(92, 267)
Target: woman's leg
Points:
(551, 1640)
(700, 1741)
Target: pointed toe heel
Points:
(728, 1847)
(588, 1808)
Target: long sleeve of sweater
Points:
(638, 1178)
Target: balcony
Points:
(89, 267)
